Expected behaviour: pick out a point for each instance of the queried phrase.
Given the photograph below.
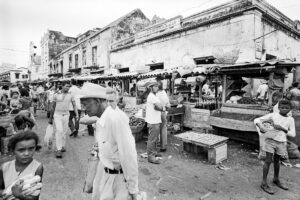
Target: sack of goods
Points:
(31, 187)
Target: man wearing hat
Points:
(116, 144)
(153, 118)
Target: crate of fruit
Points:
(175, 110)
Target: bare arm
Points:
(158, 106)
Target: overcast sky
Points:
(22, 21)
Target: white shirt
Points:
(286, 122)
(117, 145)
(75, 91)
(152, 116)
(262, 90)
(163, 98)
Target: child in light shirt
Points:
(275, 142)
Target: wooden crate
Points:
(215, 146)
(4, 145)
(217, 154)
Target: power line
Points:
(14, 50)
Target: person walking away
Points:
(275, 143)
(165, 102)
(116, 144)
(262, 91)
(23, 145)
(74, 91)
(153, 119)
(50, 99)
(35, 99)
(60, 116)
(294, 95)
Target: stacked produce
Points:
(31, 187)
(133, 121)
(247, 100)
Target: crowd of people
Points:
(116, 175)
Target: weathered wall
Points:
(229, 41)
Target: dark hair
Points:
(22, 136)
(295, 84)
(5, 87)
(19, 121)
(284, 102)
(73, 81)
(24, 92)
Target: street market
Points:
(195, 107)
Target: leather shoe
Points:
(153, 159)
(163, 150)
(63, 149)
(158, 155)
(58, 154)
(74, 133)
(267, 189)
(280, 185)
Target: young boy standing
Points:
(275, 142)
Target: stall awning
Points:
(158, 72)
(205, 69)
(127, 75)
(280, 66)
(92, 67)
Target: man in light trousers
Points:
(116, 144)
(60, 116)
(165, 102)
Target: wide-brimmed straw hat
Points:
(91, 90)
(150, 84)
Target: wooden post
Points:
(270, 93)
(224, 88)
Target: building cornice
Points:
(221, 13)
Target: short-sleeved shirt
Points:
(62, 102)
(262, 90)
(75, 92)
(152, 116)
(285, 121)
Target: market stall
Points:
(203, 96)
(239, 104)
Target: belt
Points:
(113, 171)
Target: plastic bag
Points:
(91, 173)
(49, 136)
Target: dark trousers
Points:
(73, 127)
(154, 130)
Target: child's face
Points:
(24, 151)
(284, 109)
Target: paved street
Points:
(181, 176)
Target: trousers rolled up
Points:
(163, 131)
(154, 130)
(61, 129)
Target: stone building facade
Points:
(92, 52)
(52, 43)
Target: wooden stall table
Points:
(215, 145)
